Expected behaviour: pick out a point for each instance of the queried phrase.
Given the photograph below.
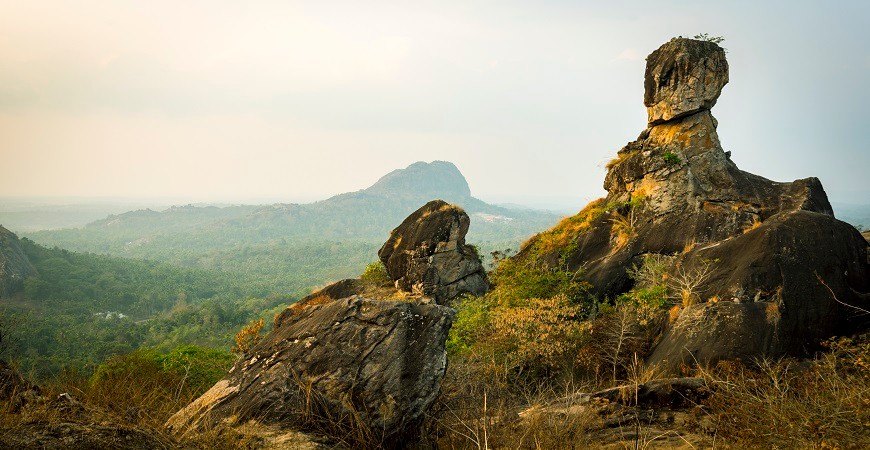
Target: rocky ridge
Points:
(14, 265)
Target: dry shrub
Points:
(248, 337)
(621, 230)
(615, 340)
(824, 403)
(475, 411)
(540, 330)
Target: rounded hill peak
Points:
(437, 179)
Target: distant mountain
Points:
(438, 179)
(857, 215)
(210, 236)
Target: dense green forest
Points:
(83, 308)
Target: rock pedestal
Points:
(427, 254)
(774, 271)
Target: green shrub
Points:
(671, 158)
(375, 274)
(471, 323)
(514, 281)
(188, 367)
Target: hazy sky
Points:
(231, 101)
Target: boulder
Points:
(427, 254)
(683, 76)
(790, 273)
(346, 365)
(14, 265)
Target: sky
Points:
(228, 101)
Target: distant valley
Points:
(280, 243)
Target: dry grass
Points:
(620, 157)
(824, 403)
(756, 222)
(562, 234)
(621, 230)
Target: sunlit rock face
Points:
(777, 266)
(683, 76)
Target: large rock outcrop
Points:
(427, 254)
(14, 265)
(350, 363)
(768, 269)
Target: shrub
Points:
(375, 275)
(541, 333)
(471, 323)
(248, 337)
(187, 368)
(528, 325)
(514, 281)
(671, 158)
(706, 37)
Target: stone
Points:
(683, 77)
(427, 254)
(14, 265)
(352, 362)
(775, 271)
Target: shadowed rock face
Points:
(379, 361)
(773, 251)
(14, 265)
(427, 254)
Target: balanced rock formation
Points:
(353, 362)
(683, 77)
(14, 265)
(427, 254)
(765, 267)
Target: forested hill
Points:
(78, 309)
(192, 235)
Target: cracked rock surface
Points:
(427, 254)
(352, 361)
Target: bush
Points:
(671, 158)
(154, 382)
(514, 281)
(528, 325)
(248, 337)
(375, 275)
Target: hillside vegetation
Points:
(83, 308)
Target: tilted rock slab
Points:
(774, 271)
(427, 254)
(353, 361)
